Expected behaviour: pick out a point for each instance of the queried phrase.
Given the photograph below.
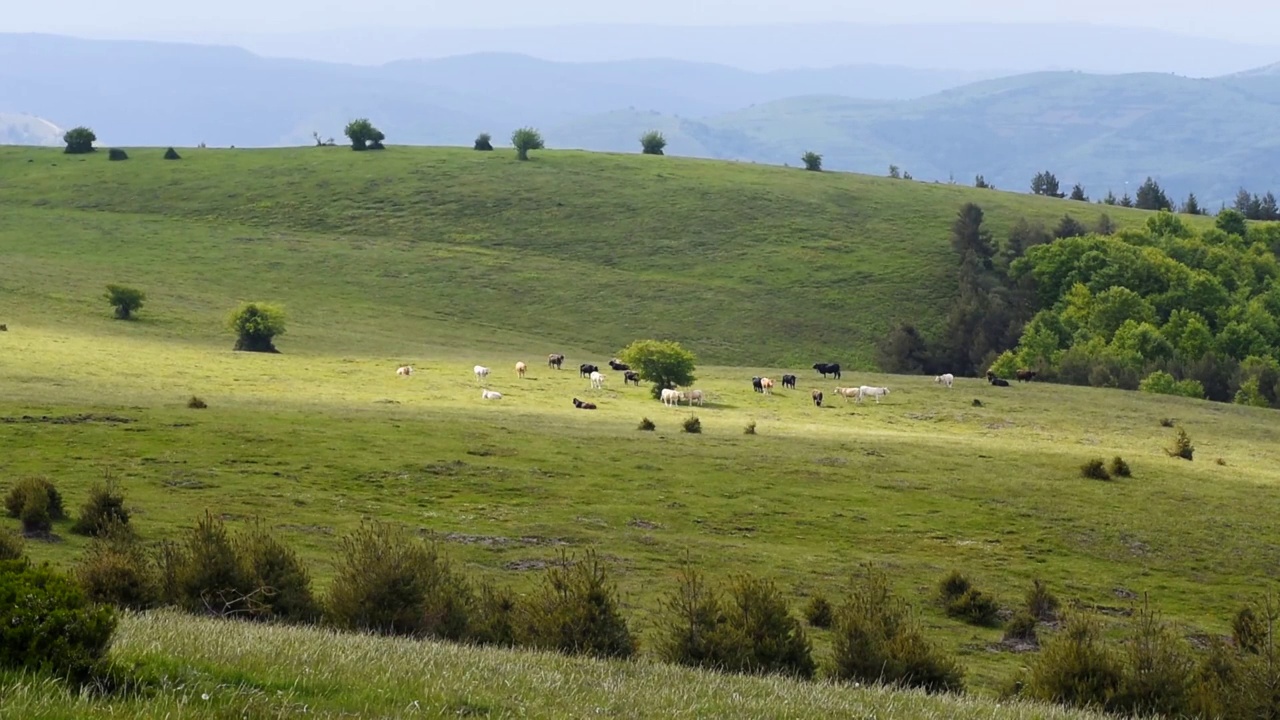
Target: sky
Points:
(1251, 21)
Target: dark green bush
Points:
(12, 546)
(1021, 628)
(171, 154)
(1217, 685)
(1247, 631)
(17, 497)
(484, 142)
(576, 612)
(819, 612)
(495, 619)
(48, 625)
(692, 630)
(196, 403)
(692, 424)
(209, 578)
(647, 425)
(117, 154)
(1075, 667)
(391, 583)
(975, 608)
(1041, 603)
(116, 570)
(284, 583)
(103, 512)
(1095, 469)
(1166, 422)
(35, 517)
(750, 429)
(763, 636)
(1182, 446)
(1120, 468)
(1159, 671)
(953, 586)
(876, 639)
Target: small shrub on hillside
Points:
(115, 570)
(1247, 631)
(12, 546)
(524, 140)
(1041, 603)
(168, 562)
(117, 154)
(1120, 468)
(1167, 422)
(17, 497)
(877, 640)
(35, 517)
(256, 326)
(1221, 461)
(750, 429)
(196, 403)
(1075, 667)
(125, 300)
(209, 579)
(284, 583)
(48, 625)
(647, 425)
(1021, 628)
(812, 161)
(1095, 469)
(692, 627)
(1182, 446)
(172, 154)
(953, 586)
(495, 619)
(964, 602)
(819, 612)
(102, 512)
(1159, 671)
(1218, 682)
(577, 612)
(391, 583)
(484, 142)
(692, 424)
(652, 143)
(765, 637)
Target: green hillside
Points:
(748, 264)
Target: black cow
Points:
(998, 382)
(828, 369)
(817, 398)
(584, 369)
(789, 381)
(755, 383)
(619, 365)
(583, 405)
(1026, 375)
(631, 376)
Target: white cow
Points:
(945, 379)
(875, 392)
(481, 372)
(520, 368)
(670, 397)
(597, 380)
(847, 393)
(490, 395)
(404, 371)
(694, 396)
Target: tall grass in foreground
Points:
(254, 670)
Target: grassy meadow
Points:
(445, 259)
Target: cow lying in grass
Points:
(583, 405)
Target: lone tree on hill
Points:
(524, 140)
(125, 300)
(812, 161)
(1192, 206)
(652, 143)
(79, 141)
(661, 362)
(256, 325)
(1046, 183)
(363, 135)
(484, 142)
(1077, 193)
(981, 182)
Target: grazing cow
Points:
(875, 392)
(583, 405)
(481, 372)
(490, 395)
(945, 379)
(520, 368)
(631, 376)
(756, 384)
(998, 382)
(404, 371)
(585, 369)
(828, 369)
(694, 396)
(766, 386)
(618, 365)
(555, 360)
(846, 393)
(4, 328)
(1025, 375)
(670, 397)
(597, 380)
(817, 398)
(789, 381)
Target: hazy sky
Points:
(1244, 20)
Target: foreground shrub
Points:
(576, 612)
(12, 546)
(692, 424)
(1120, 468)
(496, 617)
(763, 637)
(16, 500)
(1075, 667)
(692, 630)
(876, 639)
(35, 517)
(283, 582)
(1182, 446)
(391, 583)
(1158, 669)
(48, 625)
(103, 511)
(1247, 631)
(256, 326)
(115, 570)
(1095, 469)
(1041, 603)
(819, 612)
(1021, 628)
(208, 578)
(1218, 683)
(647, 425)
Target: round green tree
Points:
(125, 300)
(524, 140)
(812, 161)
(363, 135)
(79, 140)
(662, 362)
(256, 326)
(652, 143)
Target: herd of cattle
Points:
(672, 397)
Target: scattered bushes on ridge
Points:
(1095, 469)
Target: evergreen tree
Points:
(1069, 227)
(1267, 209)
(1045, 183)
(1077, 193)
(1192, 206)
(1152, 197)
(1126, 201)
(1110, 199)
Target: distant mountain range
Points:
(1210, 136)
